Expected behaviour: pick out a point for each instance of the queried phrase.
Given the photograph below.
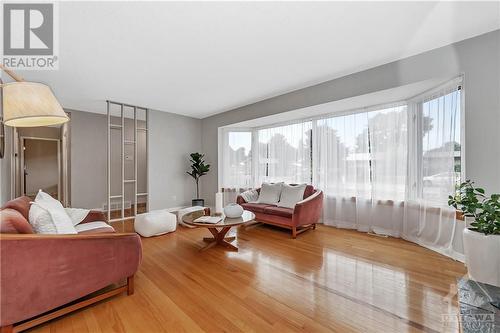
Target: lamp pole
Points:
(11, 74)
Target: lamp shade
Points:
(30, 104)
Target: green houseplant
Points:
(473, 202)
(482, 237)
(198, 169)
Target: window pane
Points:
(343, 156)
(237, 161)
(284, 154)
(363, 154)
(388, 147)
(441, 150)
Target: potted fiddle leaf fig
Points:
(482, 237)
(198, 169)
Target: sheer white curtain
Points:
(236, 166)
(388, 151)
(342, 168)
(434, 169)
(360, 164)
(283, 154)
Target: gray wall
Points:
(171, 139)
(88, 159)
(477, 58)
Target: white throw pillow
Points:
(40, 220)
(77, 215)
(291, 194)
(60, 219)
(250, 196)
(270, 193)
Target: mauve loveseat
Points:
(302, 217)
(40, 273)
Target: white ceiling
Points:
(199, 59)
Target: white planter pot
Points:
(482, 256)
(233, 210)
(468, 220)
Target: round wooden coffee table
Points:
(220, 229)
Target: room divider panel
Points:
(127, 152)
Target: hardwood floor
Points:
(325, 280)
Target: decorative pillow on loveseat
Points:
(291, 194)
(270, 193)
(250, 196)
(47, 216)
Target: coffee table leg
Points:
(222, 240)
(211, 239)
(219, 238)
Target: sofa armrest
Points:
(309, 210)
(94, 216)
(240, 200)
(41, 272)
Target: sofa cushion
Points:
(291, 194)
(256, 207)
(270, 193)
(279, 211)
(13, 222)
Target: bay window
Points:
(386, 169)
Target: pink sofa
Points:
(302, 217)
(40, 273)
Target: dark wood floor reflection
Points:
(325, 280)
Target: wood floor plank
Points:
(326, 280)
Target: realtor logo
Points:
(29, 32)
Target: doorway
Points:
(40, 161)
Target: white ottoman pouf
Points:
(154, 223)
